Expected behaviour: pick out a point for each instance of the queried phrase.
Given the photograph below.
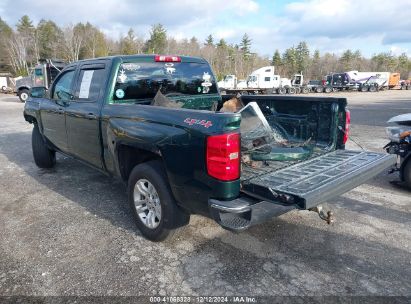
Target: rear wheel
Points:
(305, 90)
(291, 90)
(297, 90)
(373, 88)
(364, 88)
(328, 89)
(281, 91)
(23, 95)
(319, 89)
(155, 211)
(43, 156)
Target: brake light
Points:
(223, 156)
(166, 58)
(347, 126)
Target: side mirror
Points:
(38, 92)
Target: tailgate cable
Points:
(350, 138)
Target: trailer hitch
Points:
(328, 217)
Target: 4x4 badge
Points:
(204, 123)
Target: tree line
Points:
(22, 46)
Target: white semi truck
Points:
(263, 81)
(230, 82)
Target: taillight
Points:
(166, 58)
(347, 126)
(223, 156)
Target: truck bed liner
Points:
(319, 179)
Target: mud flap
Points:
(309, 183)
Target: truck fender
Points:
(142, 135)
(22, 88)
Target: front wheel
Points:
(281, 91)
(155, 211)
(23, 95)
(43, 156)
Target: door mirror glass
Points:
(38, 92)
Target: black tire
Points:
(305, 90)
(297, 90)
(406, 173)
(364, 88)
(373, 88)
(291, 90)
(172, 217)
(43, 156)
(319, 89)
(23, 95)
(328, 89)
(281, 91)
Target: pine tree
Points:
(245, 46)
(25, 25)
(290, 60)
(303, 57)
(49, 36)
(209, 41)
(276, 59)
(158, 39)
(127, 44)
(346, 60)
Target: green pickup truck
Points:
(155, 121)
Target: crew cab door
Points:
(83, 114)
(52, 110)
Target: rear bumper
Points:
(244, 212)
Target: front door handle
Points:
(91, 116)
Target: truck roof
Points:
(142, 57)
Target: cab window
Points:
(90, 84)
(62, 88)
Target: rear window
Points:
(143, 80)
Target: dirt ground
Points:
(69, 231)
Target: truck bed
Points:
(329, 170)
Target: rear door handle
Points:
(91, 116)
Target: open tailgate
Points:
(317, 180)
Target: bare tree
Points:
(17, 48)
(73, 41)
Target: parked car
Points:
(314, 84)
(154, 122)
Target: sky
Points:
(372, 26)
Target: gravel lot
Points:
(69, 231)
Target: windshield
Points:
(143, 80)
